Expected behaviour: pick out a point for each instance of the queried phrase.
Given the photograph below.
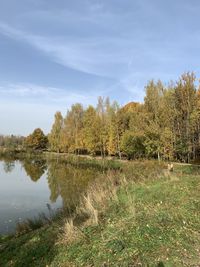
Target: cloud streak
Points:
(98, 56)
(46, 95)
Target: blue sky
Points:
(56, 53)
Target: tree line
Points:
(11, 141)
(165, 126)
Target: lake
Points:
(30, 187)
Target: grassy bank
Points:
(139, 216)
(98, 163)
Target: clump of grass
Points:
(69, 233)
(89, 209)
(99, 194)
(32, 224)
(130, 202)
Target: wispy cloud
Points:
(111, 43)
(102, 56)
(30, 93)
(99, 56)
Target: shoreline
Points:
(21, 153)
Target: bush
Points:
(133, 145)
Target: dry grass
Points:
(130, 203)
(99, 194)
(88, 208)
(70, 232)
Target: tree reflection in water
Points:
(64, 180)
(68, 182)
(34, 168)
(9, 165)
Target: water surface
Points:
(33, 186)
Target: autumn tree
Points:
(37, 140)
(91, 130)
(72, 129)
(113, 142)
(186, 106)
(56, 133)
(101, 109)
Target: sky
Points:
(57, 53)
